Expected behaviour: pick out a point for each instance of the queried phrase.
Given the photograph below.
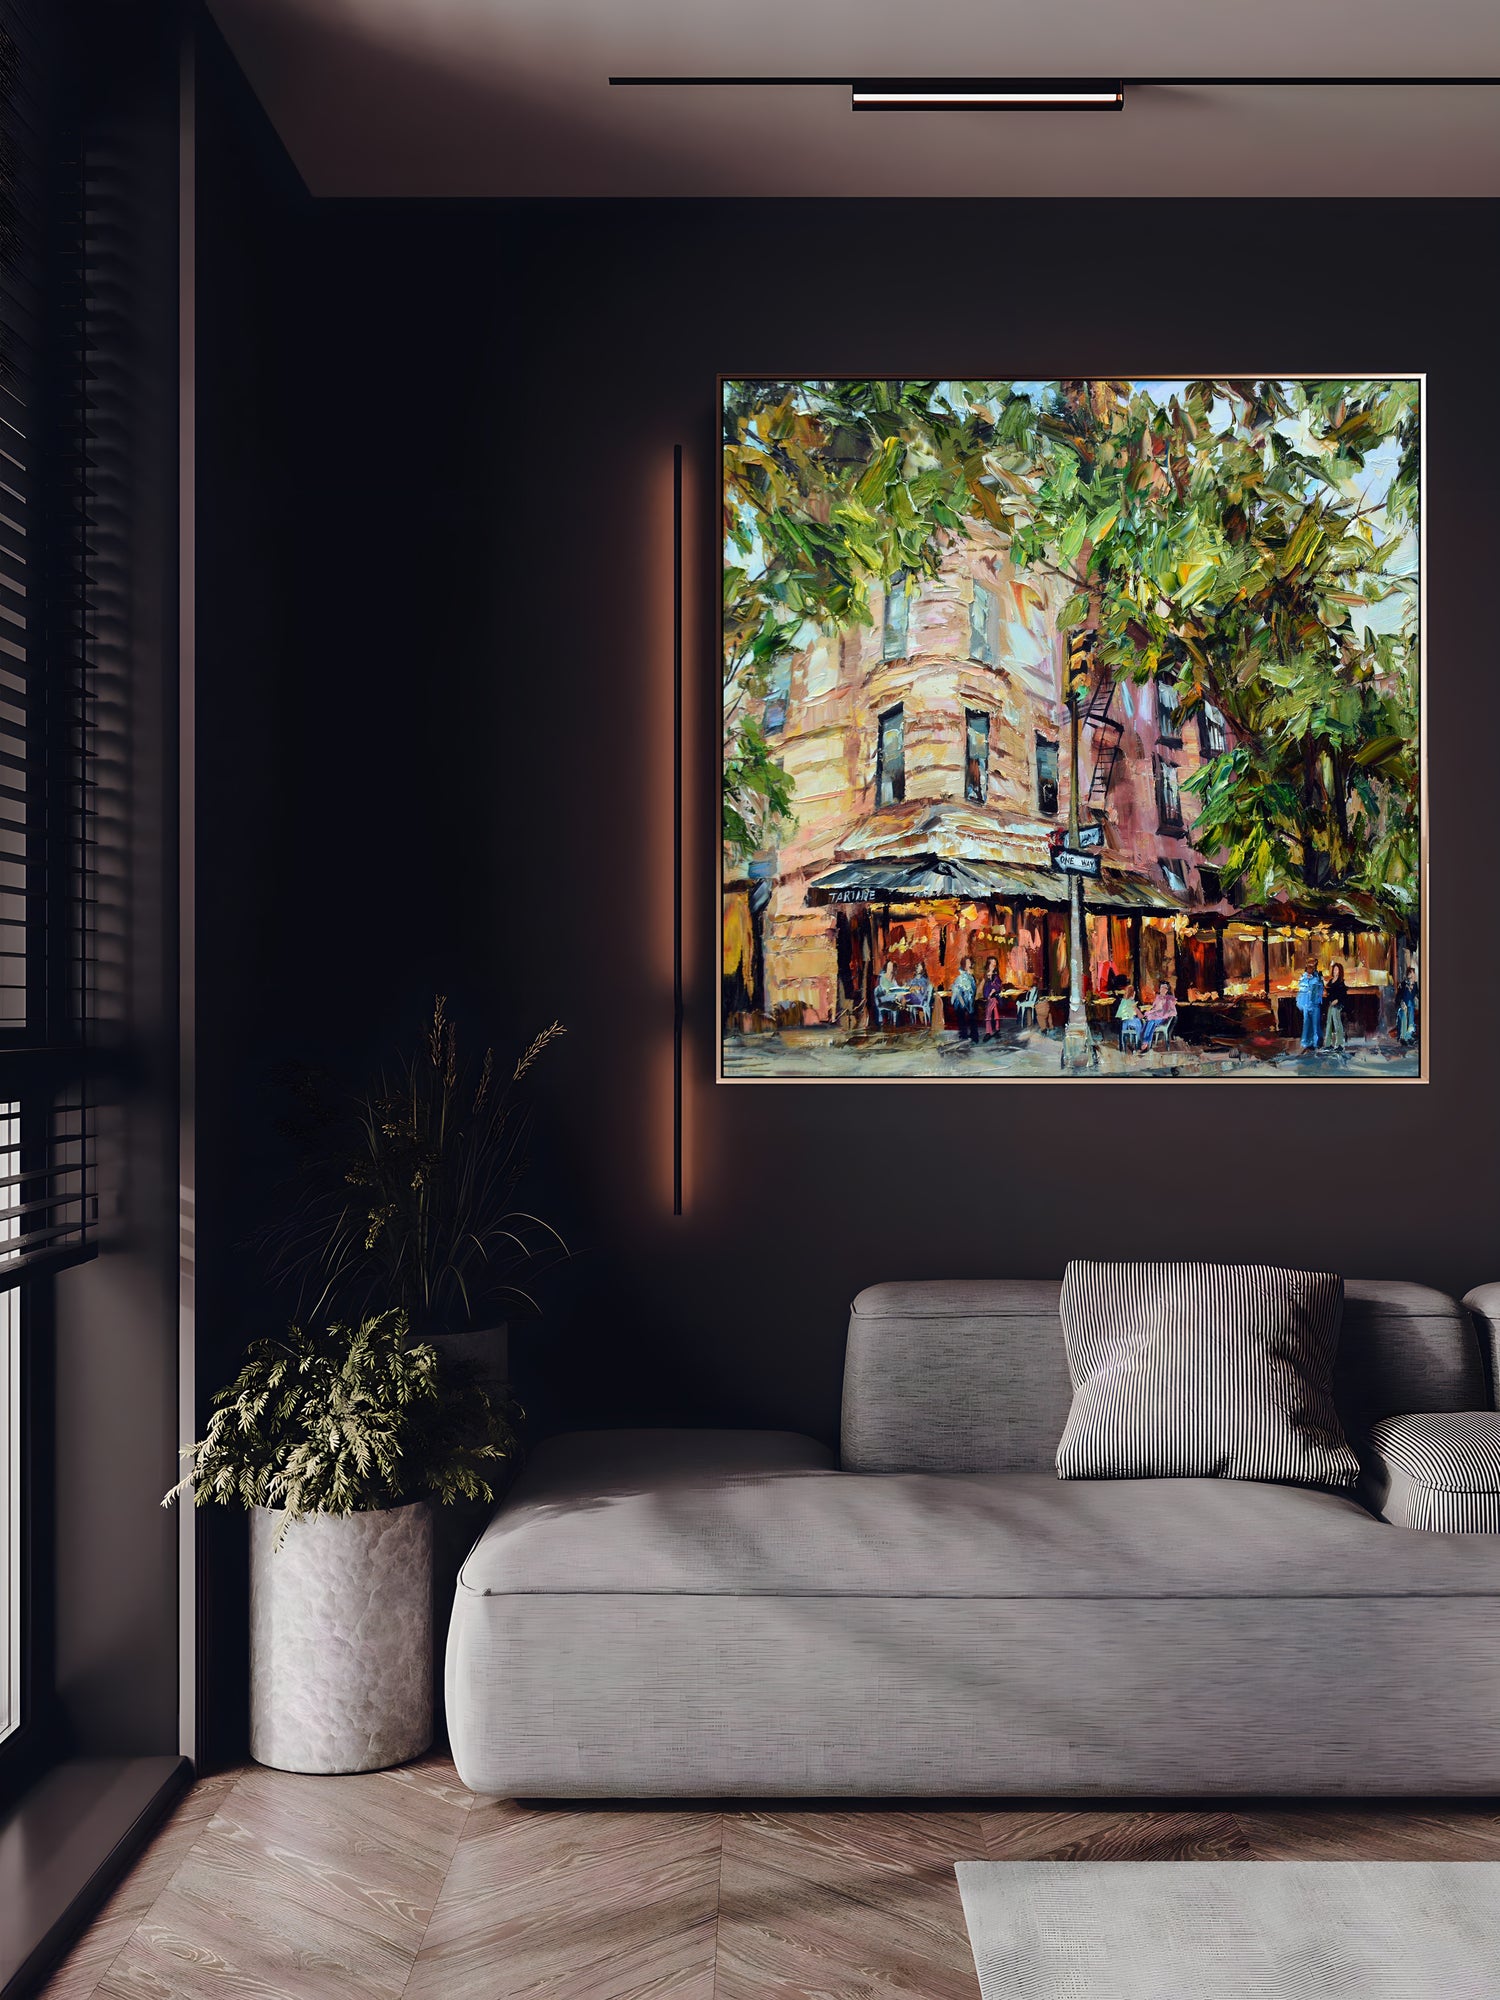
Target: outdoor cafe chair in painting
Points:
(1130, 1033)
(1026, 1008)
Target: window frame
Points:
(1168, 713)
(777, 699)
(895, 633)
(14, 1692)
(984, 630)
(1212, 722)
(884, 772)
(1168, 795)
(36, 1741)
(1045, 743)
(976, 773)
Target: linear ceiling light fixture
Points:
(977, 93)
(924, 93)
(985, 94)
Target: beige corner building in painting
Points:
(931, 764)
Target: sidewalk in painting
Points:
(801, 1055)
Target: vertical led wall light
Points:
(677, 1007)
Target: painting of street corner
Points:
(1072, 731)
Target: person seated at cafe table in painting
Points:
(1159, 1016)
(889, 993)
(1128, 1014)
(919, 993)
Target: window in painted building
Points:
(777, 694)
(984, 625)
(890, 758)
(1213, 736)
(897, 628)
(1046, 776)
(1168, 796)
(1168, 712)
(976, 756)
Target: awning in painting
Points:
(924, 880)
(1123, 894)
(922, 831)
(931, 879)
(1348, 912)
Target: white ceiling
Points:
(509, 97)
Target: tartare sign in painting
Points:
(1072, 730)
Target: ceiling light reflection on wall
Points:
(985, 94)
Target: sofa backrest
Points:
(969, 1375)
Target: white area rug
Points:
(1234, 1930)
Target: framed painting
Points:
(1072, 730)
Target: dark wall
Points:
(454, 772)
(249, 668)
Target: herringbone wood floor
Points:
(404, 1886)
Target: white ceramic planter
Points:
(341, 1639)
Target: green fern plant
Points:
(346, 1419)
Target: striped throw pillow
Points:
(1439, 1470)
(1203, 1371)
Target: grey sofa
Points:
(933, 1612)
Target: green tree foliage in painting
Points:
(829, 488)
(1227, 537)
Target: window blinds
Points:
(48, 867)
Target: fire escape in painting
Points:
(1107, 730)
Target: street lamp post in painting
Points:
(1078, 1043)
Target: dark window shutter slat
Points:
(48, 853)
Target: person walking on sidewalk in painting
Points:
(1310, 1002)
(963, 998)
(991, 993)
(1335, 995)
(1406, 1012)
(1386, 1005)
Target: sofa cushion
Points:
(1202, 1370)
(968, 1375)
(955, 1375)
(762, 1514)
(1439, 1471)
